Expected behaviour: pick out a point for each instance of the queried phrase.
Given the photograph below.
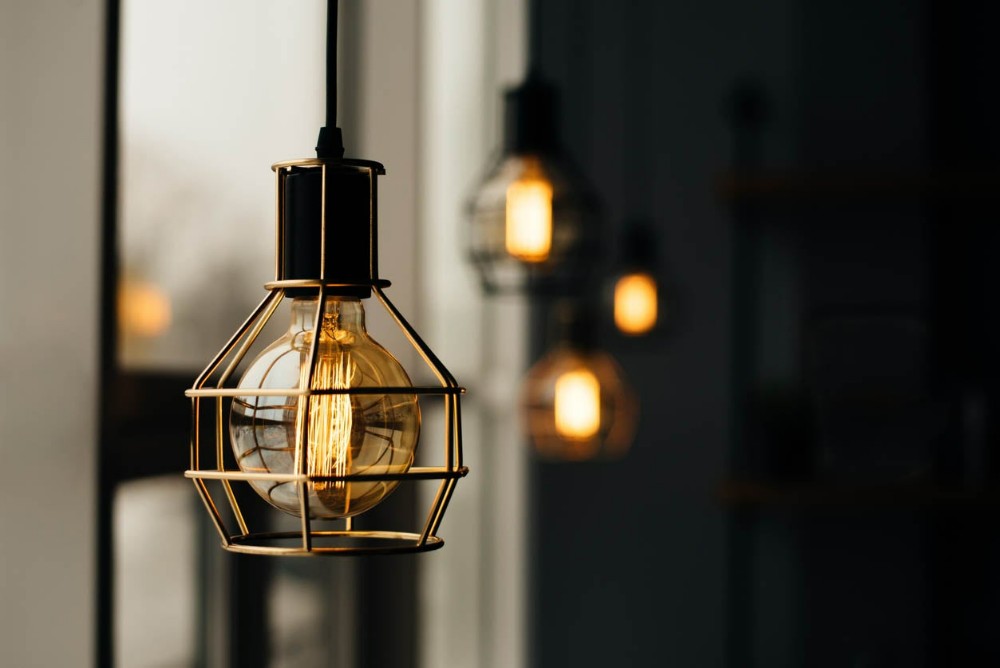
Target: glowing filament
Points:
(578, 405)
(331, 420)
(635, 303)
(529, 218)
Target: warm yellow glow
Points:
(143, 309)
(635, 303)
(331, 420)
(529, 217)
(578, 405)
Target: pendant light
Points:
(634, 285)
(533, 218)
(323, 423)
(576, 402)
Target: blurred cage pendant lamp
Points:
(323, 424)
(533, 217)
(576, 401)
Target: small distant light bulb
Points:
(635, 303)
(578, 405)
(529, 216)
(143, 308)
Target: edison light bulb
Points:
(578, 406)
(528, 231)
(635, 305)
(532, 221)
(347, 433)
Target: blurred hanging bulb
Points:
(347, 433)
(577, 404)
(529, 215)
(634, 287)
(143, 308)
(635, 306)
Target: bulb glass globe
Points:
(346, 433)
(529, 215)
(635, 305)
(532, 218)
(577, 405)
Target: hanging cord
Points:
(638, 242)
(331, 141)
(639, 138)
(534, 37)
(580, 65)
(331, 63)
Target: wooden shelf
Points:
(811, 186)
(831, 495)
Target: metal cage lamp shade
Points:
(533, 219)
(324, 422)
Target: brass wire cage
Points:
(209, 399)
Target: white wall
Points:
(207, 106)
(51, 79)
(473, 607)
(428, 107)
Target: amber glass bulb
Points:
(347, 433)
(528, 231)
(635, 306)
(578, 406)
(531, 220)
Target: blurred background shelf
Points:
(864, 330)
(805, 495)
(805, 186)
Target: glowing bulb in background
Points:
(635, 306)
(143, 308)
(347, 433)
(529, 215)
(577, 404)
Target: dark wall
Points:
(866, 116)
(631, 560)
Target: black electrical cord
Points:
(534, 37)
(331, 63)
(331, 142)
(638, 181)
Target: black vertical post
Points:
(746, 114)
(962, 135)
(106, 478)
(386, 596)
(249, 583)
